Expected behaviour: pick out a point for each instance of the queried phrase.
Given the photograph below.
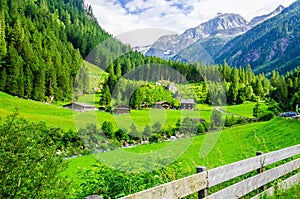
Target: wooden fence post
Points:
(204, 192)
(261, 169)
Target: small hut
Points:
(123, 109)
(82, 107)
(161, 105)
(187, 104)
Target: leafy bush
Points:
(232, 120)
(29, 166)
(266, 116)
(115, 183)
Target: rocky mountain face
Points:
(273, 44)
(257, 20)
(202, 42)
(227, 24)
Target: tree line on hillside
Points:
(238, 84)
(42, 43)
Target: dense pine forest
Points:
(42, 44)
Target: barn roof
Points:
(187, 101)
(81, 104)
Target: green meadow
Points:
(245, 109)
(36, 111)
(58, 116)
(230, 145)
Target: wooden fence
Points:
(205, 179)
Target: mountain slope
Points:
(225, 24)
(204, 49)
(201, 43)
(257, 20)
(273, 44)
(42, 44)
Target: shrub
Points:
(29, 166)
(266, 116)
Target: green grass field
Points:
(57, 116)
(36, 111)
(140, 118)
(96, 75)
(245, 110)
(234, 144)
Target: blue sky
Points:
(121, 16)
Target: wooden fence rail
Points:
(205, 179)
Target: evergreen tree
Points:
(107, 129)
(14, 83)
(106, 96)
(147, 132)
(216, 119)
(3, 79)
(256, 110)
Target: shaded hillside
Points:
(274, 44)
(202, 50)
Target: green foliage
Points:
(111, 183)
(231, 120)
(234, 144)
(256, 110)
(41, 47)
(291, 193)
(107, 129)
(191, 127)
(147, 131)
(29, 165)
(93, 140)
(266, 116)
(216, 120)
(105, 97)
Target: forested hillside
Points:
(272, 45)
(42, 43)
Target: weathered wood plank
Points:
(284, 185)
(282, 154)
(246, 186)
(230, 171)
(176, 189)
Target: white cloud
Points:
(176, 15)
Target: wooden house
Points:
(123, 109)
(82, 107)
(187, 104)
(161, 105)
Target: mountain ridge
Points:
(271, 45)
(222, 28)
(226, 23)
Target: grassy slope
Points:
(234, 144)
(36, 111)
(96, 75)
(60, 117)
(141, 118)
(245, 110)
